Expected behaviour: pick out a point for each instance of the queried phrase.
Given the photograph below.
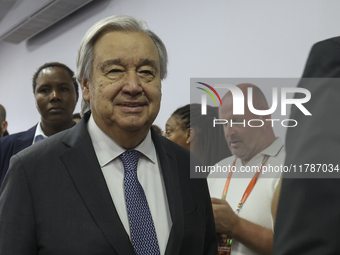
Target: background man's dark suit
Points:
(11, 145)
(69, 210)
(309, 209)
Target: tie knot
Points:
(130, 160)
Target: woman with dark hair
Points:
(194, 131)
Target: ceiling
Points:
(5, 6)
(22, 19)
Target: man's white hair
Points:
(114, 23)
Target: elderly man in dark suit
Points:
(308, 213)
(109, 185)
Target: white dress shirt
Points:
(149, 175)
(257, 208)
(38, 131)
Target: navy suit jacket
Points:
(54, 200)
(11, 145)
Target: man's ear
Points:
(4, 125)
(85, 89)
(3, 128)
(265, 117)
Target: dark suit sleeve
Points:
(11, 145)
(17, 225)
(6, 152)
(308, 213)
(210, 246)
(3, 159)
(210, 241)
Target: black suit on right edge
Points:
(308, 215)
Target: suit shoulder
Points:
(178, 150)
(174, 146)
(11, 138)
(330, 40)
(327, 45)
(9, 141)
(49, 146)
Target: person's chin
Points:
(56, 118)
(236, 152)
(135, 125)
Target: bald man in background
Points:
(252, 227)
(3, 122)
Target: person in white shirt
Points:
(251, 227)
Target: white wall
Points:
(205, 39)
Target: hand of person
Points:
(225, 218)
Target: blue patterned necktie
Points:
(143, 233)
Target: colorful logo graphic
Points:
(207, 91)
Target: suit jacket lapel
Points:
(83, 167)
(169, 167)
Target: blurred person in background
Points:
(56, 94)
(157, 129)
(76, 117)
(194, 131)
(3, 122)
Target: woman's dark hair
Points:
(211, 146)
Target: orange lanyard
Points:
(250, 187)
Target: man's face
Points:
(244, 141)
(55, 95)
(125, 90)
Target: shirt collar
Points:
(273, 149)
(107, 149)
(38, 131)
